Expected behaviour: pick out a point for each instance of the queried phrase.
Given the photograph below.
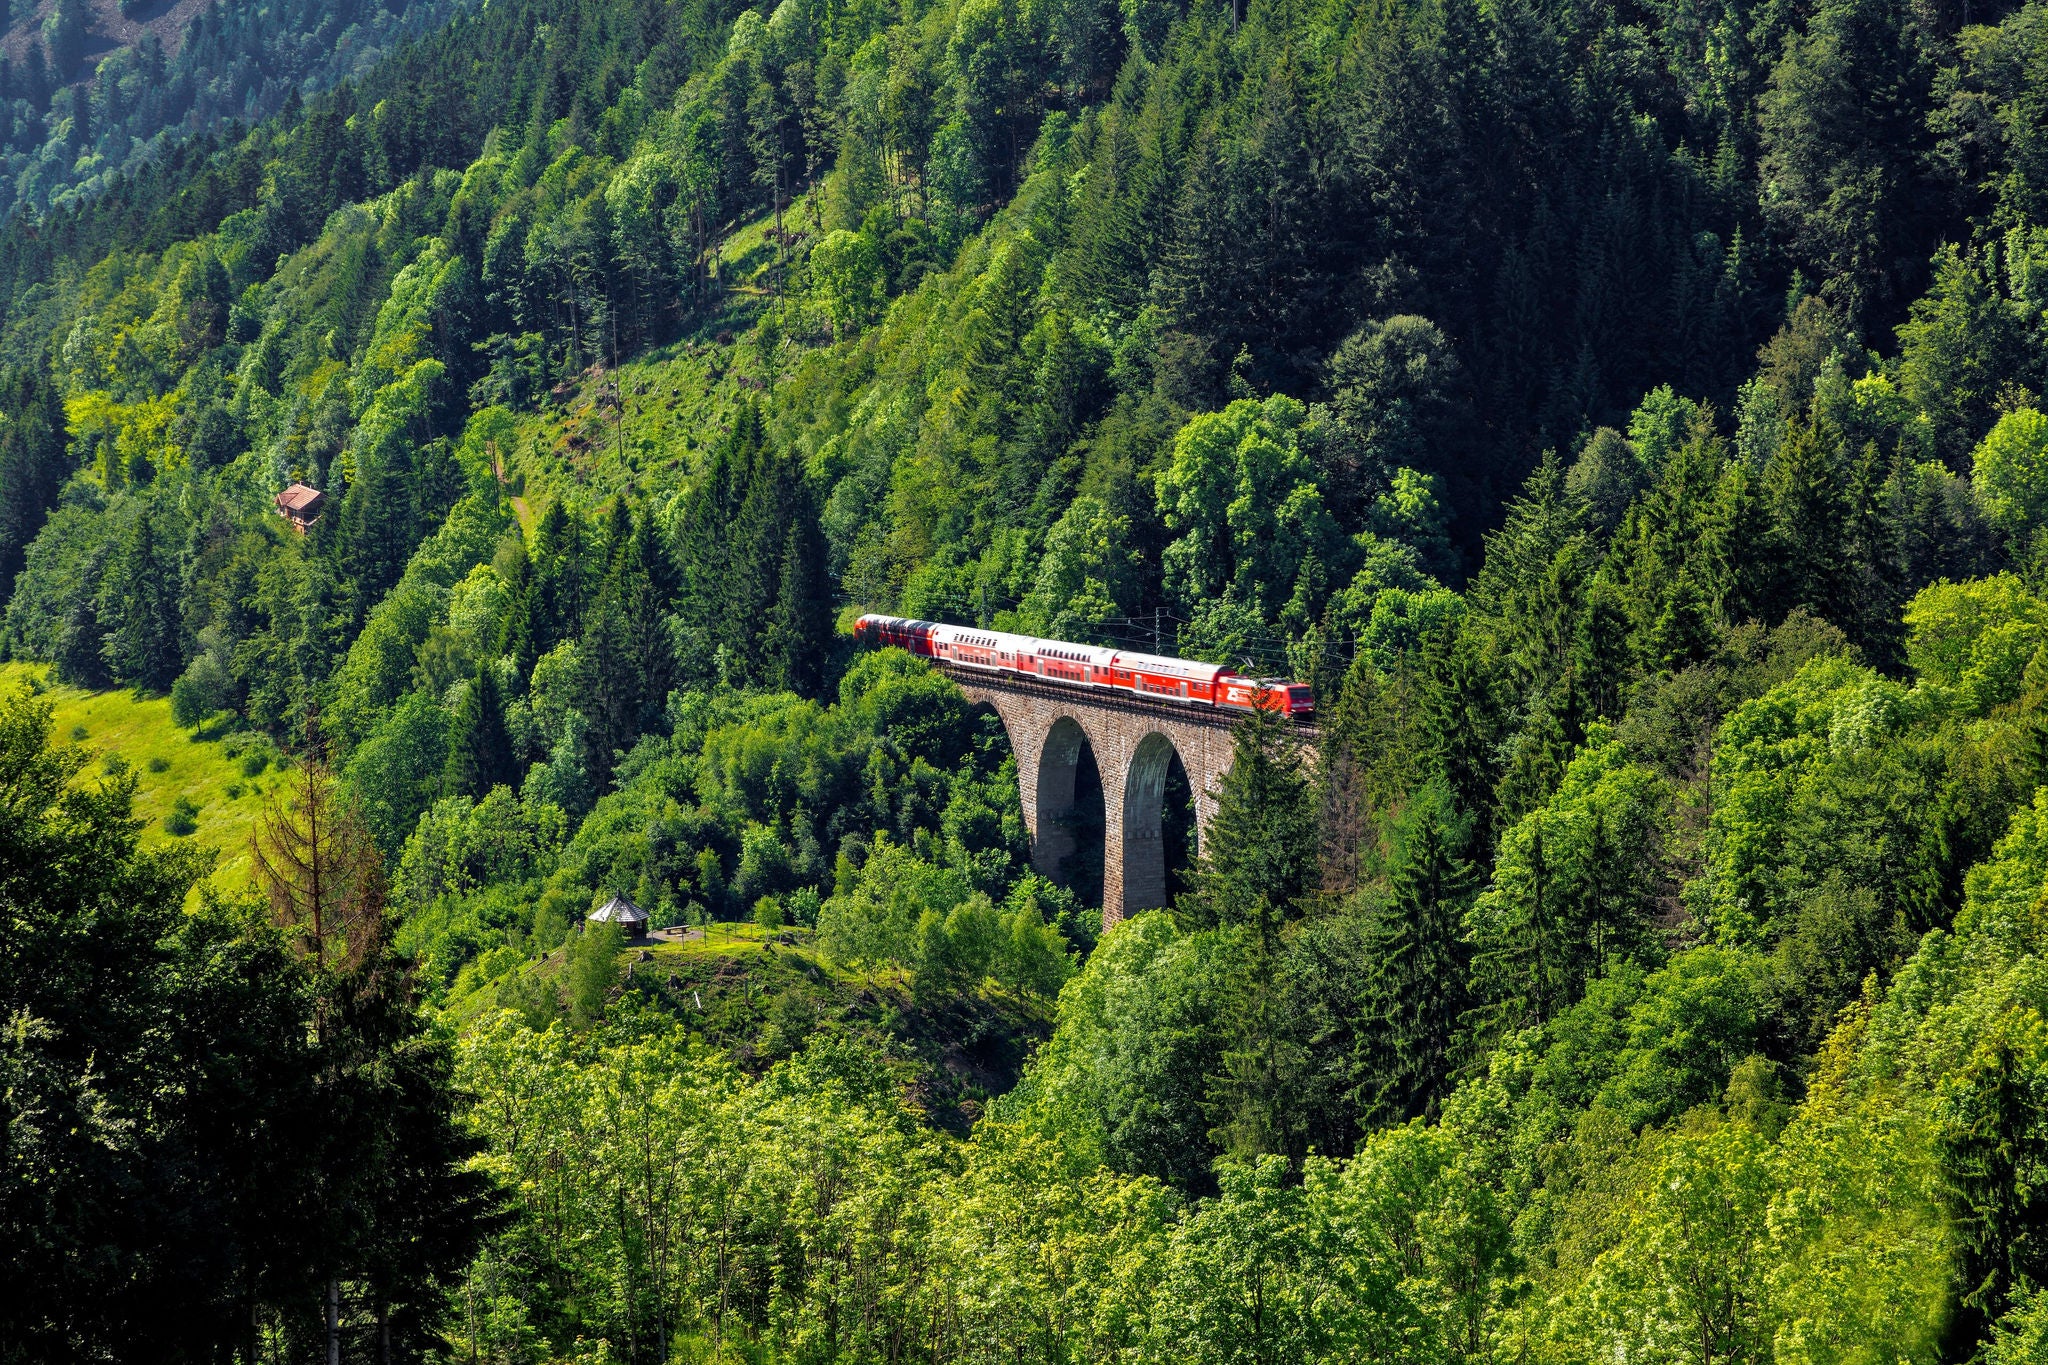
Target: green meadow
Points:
(172, 764)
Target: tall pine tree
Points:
(1259, 851)
(799, 628)
(33, 464)
(1415, 991)
(481, 756)
(139, 606)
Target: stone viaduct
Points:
(1134, 744)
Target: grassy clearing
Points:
(642, 429)
(756, 994)
(170, 765)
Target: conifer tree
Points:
(33, 464)
(556, 591)
(799, 627)
(64, 35)
(1464, 723)
(1259, 851)
(139, 600)
(320, 870)
(1804, 488)
(754, 569)
(1538, 754)
(1372, 746)
(610, 688)
(708, 541)
(378, 531)
(643, 584)
(1684, 631)
(1415, 988)
(1741, 540)
(481, 756)
(1600, 651)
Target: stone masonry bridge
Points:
(1134, 744)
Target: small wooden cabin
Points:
(301, 505)
(630, 918)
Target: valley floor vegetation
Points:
(1628, 418)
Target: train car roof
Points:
(1165, 664)
(987, 639)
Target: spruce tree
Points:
(378, 531)
(1804, 488)
(799, 627)
(1540, 752)
(33, 464)
(1259, 851)
(708, 542)
(139, 602)
(640, 587)
(557, 592)
(1600, 651)
(610, 689)
(1415, 988)
(481, 756)
(1464, 721)
(1741, 541)
(754, 570)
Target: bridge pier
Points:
(1134, 744)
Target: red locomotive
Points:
(1154, 677)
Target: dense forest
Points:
(87, 93)
(1629, 419)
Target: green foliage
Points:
(2020, 1335)
(590, 972)
(1249, 523)
(396, 773)
(480, 750)
(183, 819)
(2009, 474)
(1258, 852)
(1976, 638)
(1125, 1078)
(146, 1037)
(848, 270)
(33, 464)
(1416, 989)
(1632, 974)
(1088, 575)
(1574, 888)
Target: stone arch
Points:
(1057, 793)
(1133, 746)
(1144, 824)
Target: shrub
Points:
(183, 819)
(159, 764)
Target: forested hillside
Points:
(91, 89)
(1628, 418)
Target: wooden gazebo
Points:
(630, 918)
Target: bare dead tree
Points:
(320, 869)
(325, 881)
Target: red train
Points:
(1154, 677)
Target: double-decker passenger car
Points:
(1153, 677)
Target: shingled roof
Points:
(300, 502)
(618, 910)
